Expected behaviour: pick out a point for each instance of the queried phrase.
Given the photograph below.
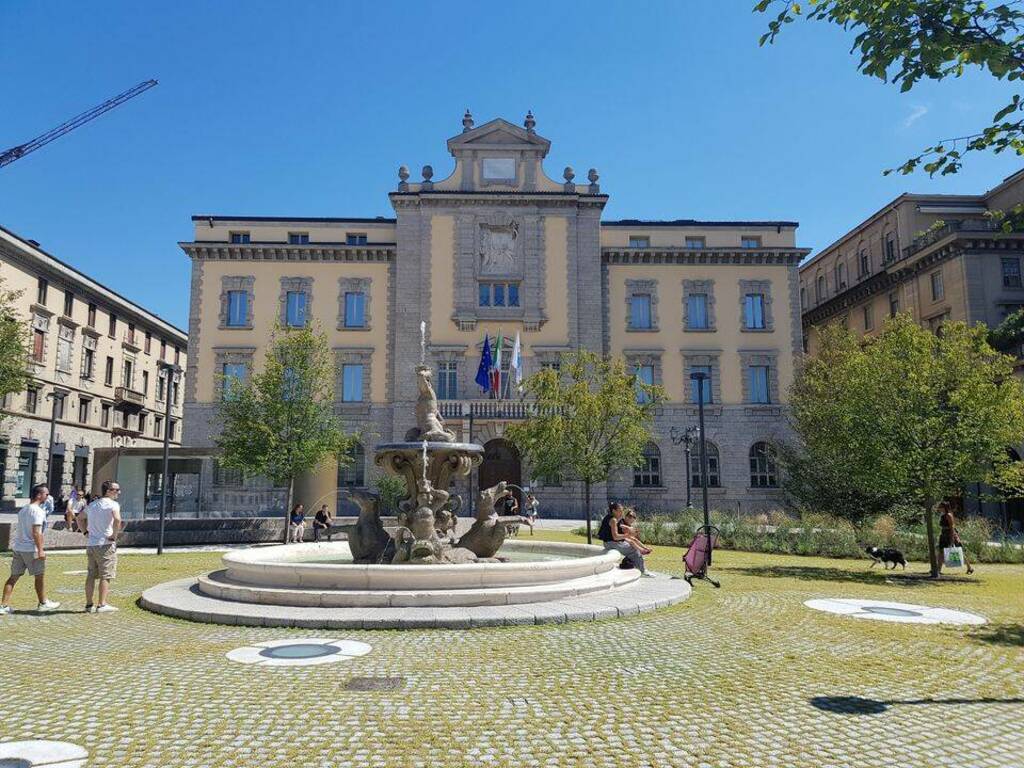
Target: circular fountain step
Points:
(219, 584)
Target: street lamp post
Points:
(53, 397)
(172, 370)
(686, 439)
(700, 377)
(467, 410)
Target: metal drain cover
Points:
(375, 684)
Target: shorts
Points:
(26, 562)
(102, 561)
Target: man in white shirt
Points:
(101, 522)
(29, 556)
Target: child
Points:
(629, 529)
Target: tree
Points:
(391, 490)
(590, 418)
(905, 41)
(910, 416)
(1008, 336)
(14, 346)
(282, 422)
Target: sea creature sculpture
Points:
(367, 539)
(487, 534)
(429, 423)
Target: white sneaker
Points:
(106, 609)
(5, 610)
(48, 605)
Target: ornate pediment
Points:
(501, 135)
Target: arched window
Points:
(763, 471)
(353, 474)
(647, 474)
(714, 475)
(841, 276)
(821, 288)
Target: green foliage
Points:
(282, 422)
(14, 346)
(391, 490)
(1008, 336)
(908, 416)
(905, 41)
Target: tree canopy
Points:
(282, 422)
(905, 41)
(592, 416)
(14, 347)
(909, 416)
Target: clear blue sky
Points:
(308, 108)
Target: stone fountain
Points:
(372, 580)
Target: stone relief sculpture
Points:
(497, 247)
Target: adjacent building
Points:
(95, 376)
(938, 258)
(498, 248)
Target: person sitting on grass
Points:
(631, 531)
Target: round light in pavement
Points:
(299, 652)
(904, 613)
(38, 752)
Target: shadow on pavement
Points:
(1001, 634)
(856, 705)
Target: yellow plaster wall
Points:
(728, 339)
(714, 237)
(325, 310)
(277, 232)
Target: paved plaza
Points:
(732, 678)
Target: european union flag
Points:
(483, 373)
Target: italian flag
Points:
(496, 368)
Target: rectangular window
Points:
(91, 320)
(1011, 273)
(448, 380)
(112, 329)
(890, 247)
(240, 238)
(149, 342)
(174, 429)
(105, 415)
(639, 241)
(355, 238)
(295, 312)
(128, 374)
(145, 382)
(177, 355)
(161, 385)
(696, 388)
(108, 373)
(58, 406)
(894, 304)
(130, 335)
(355, 309)
(31, 400)
(41, 288)
(352, 383)
(753, 311)
(759, 392)
(158, 426)
(513, 294)
(83, 410)
(498, 294)
(238, 309)
(640, 311)
(938, 290)
(697, 311)
(38, 345)
(69, 303)
(869, 321)
(65, 340)
(298, 238)
(234, 377)
(644, 375)
(485, 295)
(750, 242)
(864, 263)
(163, 350)
(142, 423)
(695, 242)
(88, 363)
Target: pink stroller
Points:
(698, 555)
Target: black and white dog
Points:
(886, 556)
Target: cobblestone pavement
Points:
(734, 678)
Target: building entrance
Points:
(501, 462)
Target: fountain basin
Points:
(296, 566)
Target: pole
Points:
(687, 475)
(49, 451)
(165, 485)
(471, 466)
(701, 378)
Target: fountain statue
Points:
(428, 460)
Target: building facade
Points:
(938, 258)
(499, 248)
(95, 379)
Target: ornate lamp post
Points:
(172, 371)
(50, 480)
(700, 377)
(685, 438)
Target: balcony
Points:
(128, 400)
(131, 341)
(966, 226)
(496, 410)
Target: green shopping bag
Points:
(953, 557)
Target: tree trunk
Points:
(586, 502)
(288, 508)
(933, 560)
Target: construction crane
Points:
(18, 152)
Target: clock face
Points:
(499, 168)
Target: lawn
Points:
(737, 677)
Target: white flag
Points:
(516, 364)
